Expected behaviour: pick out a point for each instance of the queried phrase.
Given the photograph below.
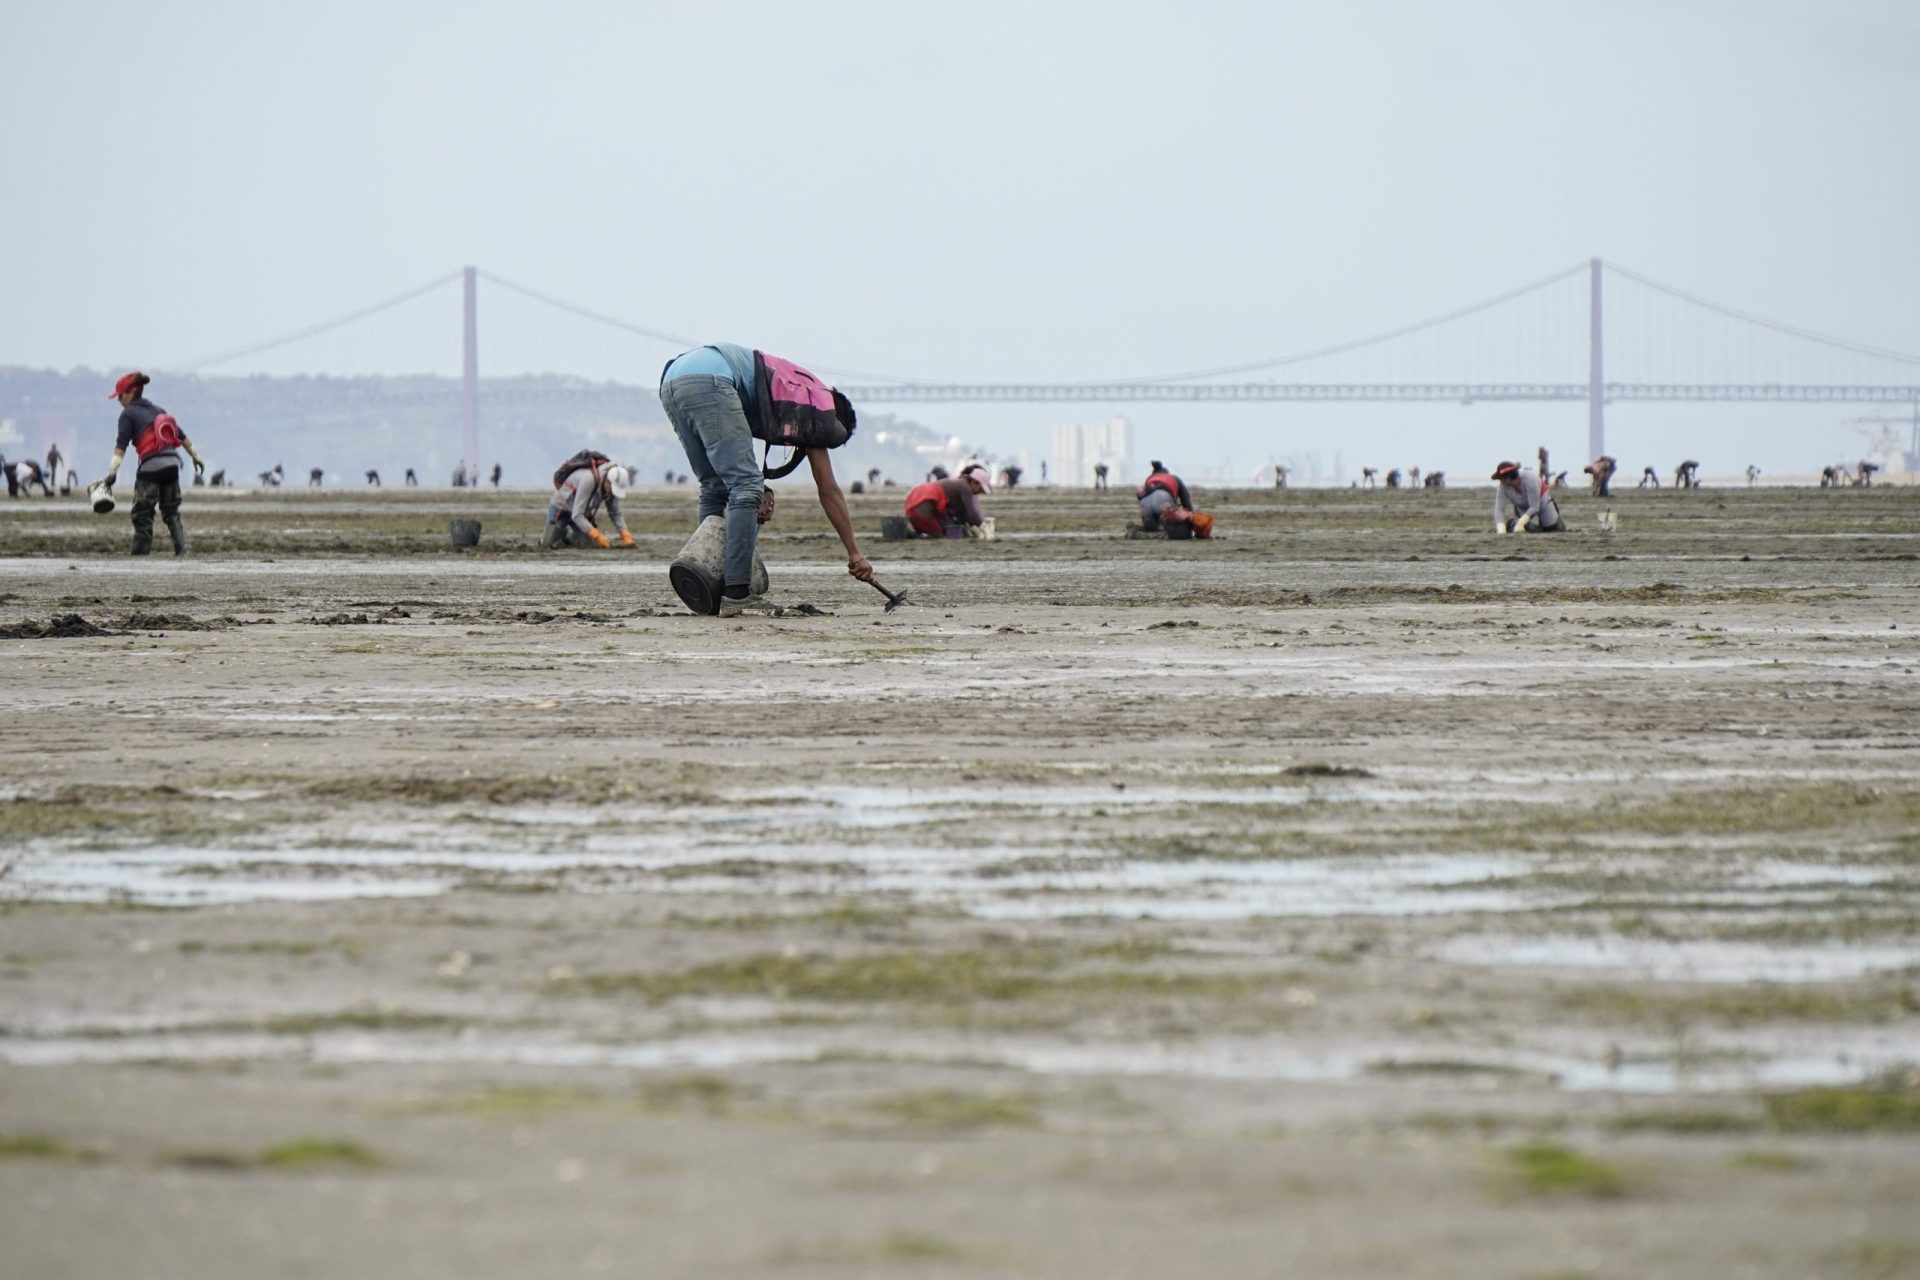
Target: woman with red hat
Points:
(157, 439)
(1521, 504)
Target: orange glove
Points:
(598, 539)
(626, 537)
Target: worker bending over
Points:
(949, 507)
(583, 484)
(1162, 492)
(1521, 504)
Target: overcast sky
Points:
(1034, 190)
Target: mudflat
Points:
(1357, 894)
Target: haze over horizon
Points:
(1039, 193)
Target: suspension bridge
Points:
(1593, 332)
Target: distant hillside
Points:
(347, 426)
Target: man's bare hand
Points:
(857, 566)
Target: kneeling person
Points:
(1162, 492)
(1521, 504)
(950, 504)
(588, 483)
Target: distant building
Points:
(1079, 446)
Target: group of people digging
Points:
(721, 399)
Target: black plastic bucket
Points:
(465, 533)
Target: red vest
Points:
(1161, 480)
(161, 435)
(932, 492)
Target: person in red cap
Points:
(157, 439)
(1521, 504)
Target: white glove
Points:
(1499, 526)
(1523, 523)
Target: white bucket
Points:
(699, 572)
(101, 497)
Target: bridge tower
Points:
(1596, 376)
(470, 379)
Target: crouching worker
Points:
(948, 508)
(1521, 503)
(157, 439)
(1166, 506)
(720, 399)
(1162, 492)
(584, 483)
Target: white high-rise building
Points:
(1079, 446)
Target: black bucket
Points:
(465, 533)
(894, 528)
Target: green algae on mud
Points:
(991, 974)
(1871, 1003)
(293, 1156)
(1892, 1106)
(1550, 1169)
(39, 1146)
(952, 1109)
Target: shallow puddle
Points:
(1686, 961)
(1724, 1068)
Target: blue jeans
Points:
(712, 426)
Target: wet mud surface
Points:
(1358, 894)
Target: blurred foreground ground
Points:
(1359, 894)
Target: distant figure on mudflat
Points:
(314, 476)
(1687, 475)
(1413, 478)
(1393, 478)
(412, 480)
(1367, 475)
(1100, 476)
(1648, 476)
(1866, 473)
(275, 478)
(1753, 473)
(52, 474)
(22, 476)
(496, 475)
(373, 478)
(1600, 472)
(460, 475)
(1280, 474)
(1435, 480)
(1010, 475)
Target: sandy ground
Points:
(1357, 895)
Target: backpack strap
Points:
(787, 468)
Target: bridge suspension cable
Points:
(1355, 343)
(587, 313)
(312, 331)
(1857, 348)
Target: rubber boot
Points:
(178, 528)
(142, 546)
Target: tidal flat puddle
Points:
(1699, 960)
(1730, 1066)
